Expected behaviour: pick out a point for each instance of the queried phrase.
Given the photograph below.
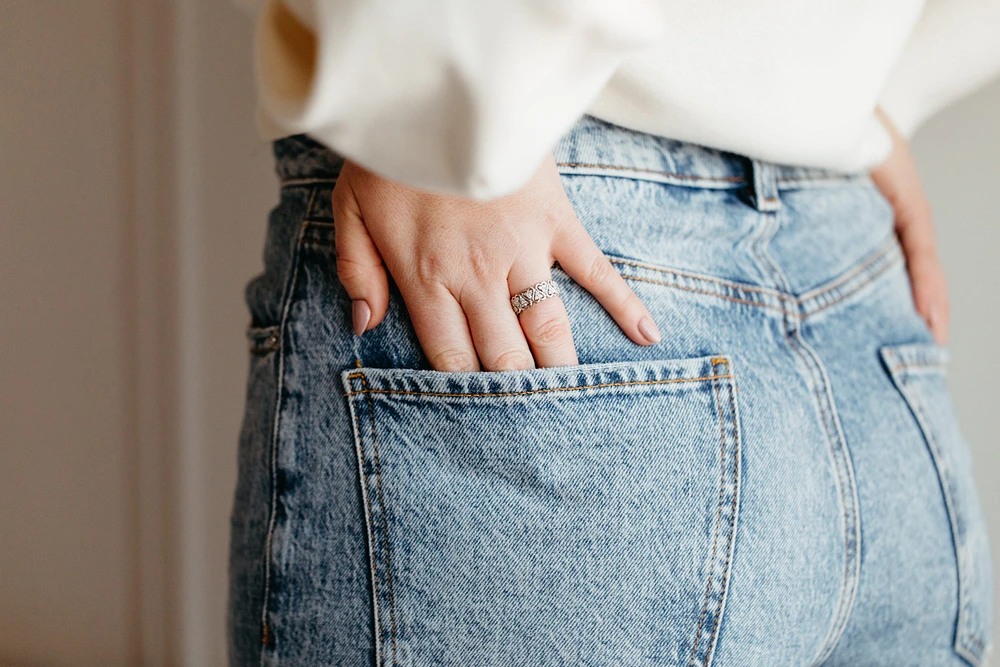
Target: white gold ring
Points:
(529, 297)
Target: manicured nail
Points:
(647, 328)
(360, 313)
(934, 324)
(931, 318)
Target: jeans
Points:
(780, 481)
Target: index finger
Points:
(580, 257)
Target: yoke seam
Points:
(783, 296)
(881, 251)
(706, 292)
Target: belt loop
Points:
(765, 187)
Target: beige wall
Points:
(133, 196)
(66, 570)
(959, 157)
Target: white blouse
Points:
(468, 96)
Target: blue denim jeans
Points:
(780, 481)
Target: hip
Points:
(678, 503)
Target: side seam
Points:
(267, 637)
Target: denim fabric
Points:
(780, 481)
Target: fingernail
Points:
(647, 328)
(360, 313)
(933, 323)
(931, 319)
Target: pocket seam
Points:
(385, 521)
(898, 360)
(718, 518)
(718, 565)
(920, 413)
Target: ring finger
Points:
(545, 323)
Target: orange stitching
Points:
(886, 248)
(273, 440)
(922, 364)
(699, 291)
(870, 279)
(798, 347)
(371, 531)
(585, 165)
(385, 521)
(307, 181)
(916, 404)
(732, 530)
(547, 390)
(842, 481)
(718, 522)
(318, 223)
(695, 276)
(310, 205)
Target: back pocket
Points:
(581, 515)
(918, 371)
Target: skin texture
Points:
(899, 182)
(456, 262)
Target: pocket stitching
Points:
(967, 644)
(920, 413)
(527, 392)
(715, 538)
(718, 524)
(729, 480)
(382, 508)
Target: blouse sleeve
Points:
(457, 96)
(954, 49)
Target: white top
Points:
(468, 96)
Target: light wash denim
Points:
(780, 481)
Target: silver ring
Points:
(527, 298)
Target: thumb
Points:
(359, 264)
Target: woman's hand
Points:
(898, 180)
(457, 262)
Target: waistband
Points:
(596, 147)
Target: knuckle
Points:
(550, 331)
(512, 360)
(453, 360)
(430, 269)
(351, 270)
(599, 271)
(481, 263)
